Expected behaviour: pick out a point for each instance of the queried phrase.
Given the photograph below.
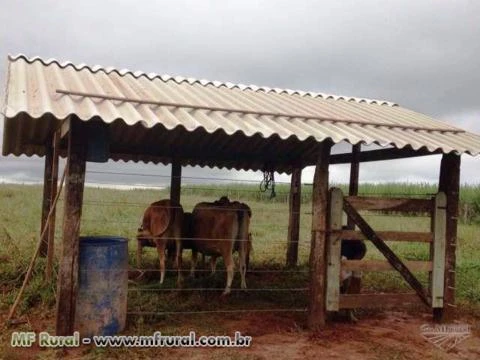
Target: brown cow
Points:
(162, 225)
(217, 227)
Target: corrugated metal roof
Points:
(155, 117)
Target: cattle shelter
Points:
(94, 113)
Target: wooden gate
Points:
(432, 296)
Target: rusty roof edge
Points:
(192, 81)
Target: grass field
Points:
(116, 212)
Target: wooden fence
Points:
(435, 266)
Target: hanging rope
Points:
(268, 183)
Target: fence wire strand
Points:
(139, 273)
(214, 311)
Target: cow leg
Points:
(243, 262)
(213, 264)
(229, 264)
(354, 287)
(247, 257)
(161, 244)
(139, 253)
(194, 263)
(178, 260)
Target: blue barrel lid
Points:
(102, 240)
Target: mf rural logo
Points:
(446, 336)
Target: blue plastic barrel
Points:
(103, 284)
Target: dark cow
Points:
(352, 250)
(351, 280)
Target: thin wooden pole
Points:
(51, 225)
(354, 175)
(68, 266)
(318, 260)
(355, 283)
(449, 183)
(34, 257)
(175, 182)
(294, 203)
(257, 112)
(47, 191)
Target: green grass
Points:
(117, 212)
(469, 194)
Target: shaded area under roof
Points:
(157, 117)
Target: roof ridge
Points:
(192, 81)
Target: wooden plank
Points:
(318, 264)
(354, 176)
(175, 182)
(391, 204)
(294, 203)
(354, 301)
(51, 226)
(382, 265)
(46, 200)
(449, 183)
(255, 112)
(386, 251)
(68, 267)
(334, 245)
(439, 246)
(380, 154)
(425, 237)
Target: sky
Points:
(422, 55)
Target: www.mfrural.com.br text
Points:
(44, 339)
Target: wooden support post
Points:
(449, 183)
(68, 267)
(318, 261)
(294, 204)
(335, 218)
(354, 175)
(53, 193)
(47, 189)
(355, 283)
(175, 182)
(438, 258)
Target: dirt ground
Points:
(383, 335)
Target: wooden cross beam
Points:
(386, 251)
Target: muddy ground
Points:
(380, 335)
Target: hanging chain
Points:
(268, 183)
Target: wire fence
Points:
(269, 226)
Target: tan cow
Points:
(217, 228)
(162, 225)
